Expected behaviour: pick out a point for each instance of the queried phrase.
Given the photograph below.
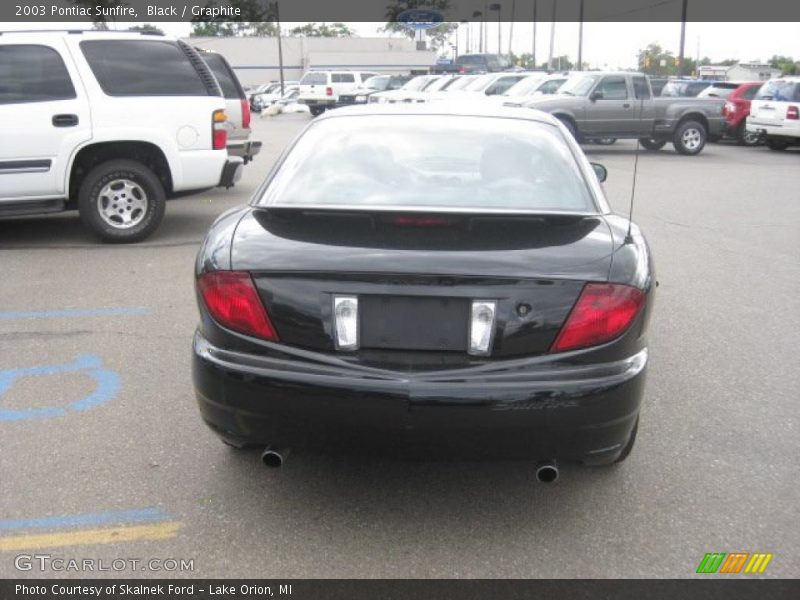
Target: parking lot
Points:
(98, 423)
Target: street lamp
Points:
(498, 7)
(479, 15)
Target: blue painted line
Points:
(136, 515)
(78, 312)
(107, 387)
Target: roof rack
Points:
(80, 31)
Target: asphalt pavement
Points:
(103, 454)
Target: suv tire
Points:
(776, 144)
(690, 138)
(570, 125)
(316, 110)
(747, 138)
(121, 201)
(651, 144)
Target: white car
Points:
(320, 89)
(480, 88)
(407, 93)
(110, 123)
(261, 101)
(775, 113)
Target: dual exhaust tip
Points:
(273, 457)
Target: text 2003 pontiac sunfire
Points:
(415, 277)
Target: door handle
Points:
(65, 120)
(626, 105)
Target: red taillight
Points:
(462, 69)
(245, 113)
(603, 312)
(793, 113)
(329, 91)
(232, 300)
(219, 131)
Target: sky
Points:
(605, 45)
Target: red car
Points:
(737, 107)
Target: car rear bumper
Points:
(231, 172)
(326, 102)
(770, 128)
(245, 149)
(537, 408)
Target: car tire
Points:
(690, 138)
(570, 125)
(315, 111)
(651, 144)
(605, 141)
(629, 446)
(121, 201)
(776, 144)
(747, 138)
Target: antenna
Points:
(628, 238)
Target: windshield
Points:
(439, 84)
(431, 162)
(480, 83)
(378, 82)
(525, 87)
(718, 90)
(416, 84)
(577, 85)
(461, 82)
(780, 90)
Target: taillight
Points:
(329, 91)
(793, 113)
(245, 113)
(462, 69)
(729, 108)
(603, 312)
(232, 300)
(219, 131)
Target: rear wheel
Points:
(690, 138)
(605, 141)
(316, 110)
(747, 138)
(776, 144)
(651, 144)
(121, 201)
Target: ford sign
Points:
(420, 19)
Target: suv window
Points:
(780, 90)
(142, 68)
(641, 90)
(225, 76)
(750, 92)
(314, 79)
(613, 88)
(33, 73)
(342, 78)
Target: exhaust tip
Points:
(547, 472)
(274, 457)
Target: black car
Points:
(447, 280)
(378, 83)
(474, 63)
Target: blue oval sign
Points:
(420, 19)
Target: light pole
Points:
(580, 37)
(498, 7)
(280, 43)
(552, 38)
(684, 7)
(533, 49)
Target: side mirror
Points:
(600, 171)
(596, 95)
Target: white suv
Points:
(320, 89)
(775, 113)
(109, 123)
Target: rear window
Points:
(718, 90)
(471, 59)
(780, 90)
(225, 76)
(33, 73)
(684, 89)
(343, 78)
(431, 162)
(142, 68)
(314, 79)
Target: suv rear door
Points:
(314, 84)
(45, 117)
(771, 104)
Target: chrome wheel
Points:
(692, 138)
(122, 203)
(750, 138)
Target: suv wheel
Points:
(121, 201)
(570, 127)
(316, 110)
(747, 138)
(689, 138)
(651, 144)
(776, 144)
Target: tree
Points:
(146, 28)
(337, 30)
(437, 36)
(786, 64)
(257, 19)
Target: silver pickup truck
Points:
(621, 105)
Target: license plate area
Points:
(414, 323)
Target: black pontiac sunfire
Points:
(416, 277)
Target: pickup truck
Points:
(621, 105)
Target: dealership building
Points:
(255, 59)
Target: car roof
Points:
(455, 108)
(86, 33)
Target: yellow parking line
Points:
(84, 537)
